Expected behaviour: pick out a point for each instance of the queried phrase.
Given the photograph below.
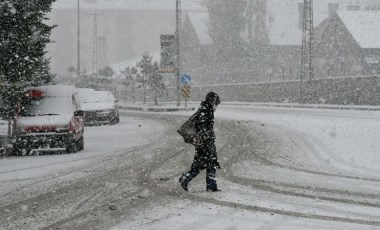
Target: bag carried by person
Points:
(188, 131)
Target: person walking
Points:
(205, 150)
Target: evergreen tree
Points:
(145, 64)
(107, 72)
(23, 39)
(227, 21)
(155, 81)
(134, 74)
(127, 73)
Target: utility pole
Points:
(307, 70)
(78, 47)
(178, 65)
(95, 43)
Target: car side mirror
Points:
(78, 113)
(116, 101)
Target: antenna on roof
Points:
(307, 70)
(177, 37)
(95, 43)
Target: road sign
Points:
(186, 91)
(168, 55)
(185, 79)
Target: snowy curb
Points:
(309, 106)
(158, 109)
(171, 108)
(297, 106)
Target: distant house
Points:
(284, 19)
(284, 23)
(350, 45)
(198, 52)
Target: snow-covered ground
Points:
(282, 168)
(344, 139)
(329, 151)
(100, 141)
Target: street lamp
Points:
(178, 66)
(78, 47)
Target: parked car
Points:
(99, 107)
(49, 119)
(80, 91)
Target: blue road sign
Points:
(185, 79)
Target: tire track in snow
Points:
(316, 146)
(241, 145)
(90, 165)
(87, 219)
(271, 185)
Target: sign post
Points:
(168, 55)
(186, 93)
(186, 89)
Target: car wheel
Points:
(72, 147)
(16, 151)
(115, 121)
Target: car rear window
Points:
(46, 106)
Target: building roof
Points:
(364, 27)
(200, 22)
(284, 19)
(128, 4)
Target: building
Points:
(285, 20)
(283, 26)
(197, 47)
(349, 45)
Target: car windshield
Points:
(46, 106)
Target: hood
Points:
(206, 104)
(97, 106)
(48, 123)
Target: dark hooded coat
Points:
(205, 151)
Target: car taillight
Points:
(34, 94)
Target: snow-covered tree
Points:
(129, 82)
(23, 39)
(155, 81)
(145, 64)
(107, 71)
(227, 21)
(127, 74)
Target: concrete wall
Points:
(338, 91)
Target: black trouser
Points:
(202, 161)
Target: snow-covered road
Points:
(282, 169)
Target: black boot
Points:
(183, 180)
(210, 180)
(213, 190)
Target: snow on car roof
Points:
(96, 96)
(78, 90)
